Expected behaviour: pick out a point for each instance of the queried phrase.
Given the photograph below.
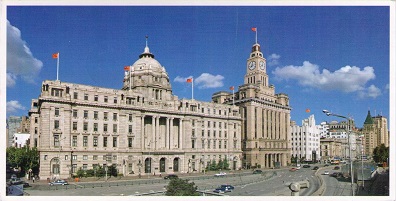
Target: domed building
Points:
(141, 129)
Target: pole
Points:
(192, 88)
(130, 77)
(57, 67)
(350, 155)
(233, 96)
(256, 35)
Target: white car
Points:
(221, 174)
(326, 173)
(299, 167)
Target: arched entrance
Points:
(234, 163)
(55, 167)
(147, 165)
(162, 165)
(176, 164)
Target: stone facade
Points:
(330, 149)
(142, 128)
(375, 131)
(266, 140)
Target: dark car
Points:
(315, 168)
(336, 167)
(227, 186)
(326, 165)
(336, 174)
(222, 190)
(306, 166)
(257, 171)
(171, 176)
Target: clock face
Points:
(252, 65)
(262, 65)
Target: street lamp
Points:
(348, 132)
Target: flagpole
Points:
(233, 96)
(130, 84)
(57, 67)
(256, 35)
(192, 88)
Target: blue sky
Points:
(323, 57)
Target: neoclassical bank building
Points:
(141, 129)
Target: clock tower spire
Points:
(256, 67)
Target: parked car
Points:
(16, 181)
(227, 186)
(293, 169)
(315, 168)
(58, 182)
(326, 165)
(336, 174)
(326, 173)
(336, 167)
(220, 174)
(306, 166)
(171, 176)
(222, 189)
(257, 171)
(298, 167)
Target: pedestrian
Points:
(33, 179)
(160, 174)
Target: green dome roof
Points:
(369, 119)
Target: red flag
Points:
(189, 80)
(232, 88)
(307, 110)
(254, 29)
(55, 56)
(127, 67)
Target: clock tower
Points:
(256, 67)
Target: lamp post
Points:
(58, 161)
(348, 132)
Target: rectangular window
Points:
(114, 141)
(214, 133)
(85, 157)
(85, 126)
(96, 98)
(85, 114)
(193, 133)
(66, 157)
(56, 124)
(35, 120)
(208, 144)
(96, 114)
(95, 141)
(75, 95)
(208, 124)
(105, 115)
(225, 144)
(219, 133)
(104, 127)
(115, 116)
(130, 117)
(75, 113)
(74, 157)
(130, 167)
(114, 157)
(130, 128)
(193, 144)
(56, 140)
(85, 96)
(115, 99)
(219, 144)
(85, 167)
(203, 133)
(74, 141)
(56, 111)
(214, 144)
(74, 168)
(104, 141)
(106, 99)
(203, 144)
(85, 141)
(95, 157)
(214, 124)
(95, 127)
(219, 124)
(130, 142)
(225, 134)
(208, 133)
(114, 128)
(74, 126)
(35, 130)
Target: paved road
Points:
(270, 183)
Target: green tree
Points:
(23, 158)
(223, 164)
(181, 187)
(381, 154)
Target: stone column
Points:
(157, 140)
(153, 139)
(171, 134)
(167, 133)
(143, 134)
(181, 134)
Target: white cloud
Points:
(347, 79)
(273, 59)
(204, 81)
(371, 92)
(13, 106)
(20, 60)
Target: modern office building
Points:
(141, 129)
(305, 140)
(265, 116)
